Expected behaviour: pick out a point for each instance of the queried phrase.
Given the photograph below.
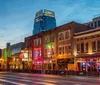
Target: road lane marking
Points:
(27, 79)
(12, 82)
(44, 83)
(31, 81)
(77, 84)
(39, 82)
(49, 81)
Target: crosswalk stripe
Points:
(44, 83)
(27, 79)
(7, 81)
(41, 81)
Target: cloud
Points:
(17, 16)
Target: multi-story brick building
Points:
(53, 49)
(34, 45)
(87, 50)
(49, 50)
(64, 43)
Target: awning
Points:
(88, 55)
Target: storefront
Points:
(49, 64)
(88, 64)
(66, 64)
(37, 59)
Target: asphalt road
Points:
(7, 78)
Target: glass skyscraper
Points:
(44, 20)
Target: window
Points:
(39, 41)
(82, 47)
(78, 48)
(98, 23)
(59, 50)
(61, 36)
(86, 47)
(52, 38)
(63, 50)
(94, 46)
(35, 42)
(95, 24)
(91, 24)
(45, 40)
(48, 39)
(98, 45)
(44, 19)
(67, 34)
(67, 49)
(45, 52)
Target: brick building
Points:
(54, 49)
(87, 50)
(34, 45)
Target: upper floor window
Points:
(95, 24)
(49, 39)
(91, 24)
(78, 48)
(98, 23)
(59, 50)
(37, 41)
(64, 35)
(63, 50)
(94, 46)
(86, 47)
(45, 40)
(98, 45)
(67, 34)
(52, 38)
(67, 49)
(45, 53)
(82, 47)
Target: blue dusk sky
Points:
(17, 16)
